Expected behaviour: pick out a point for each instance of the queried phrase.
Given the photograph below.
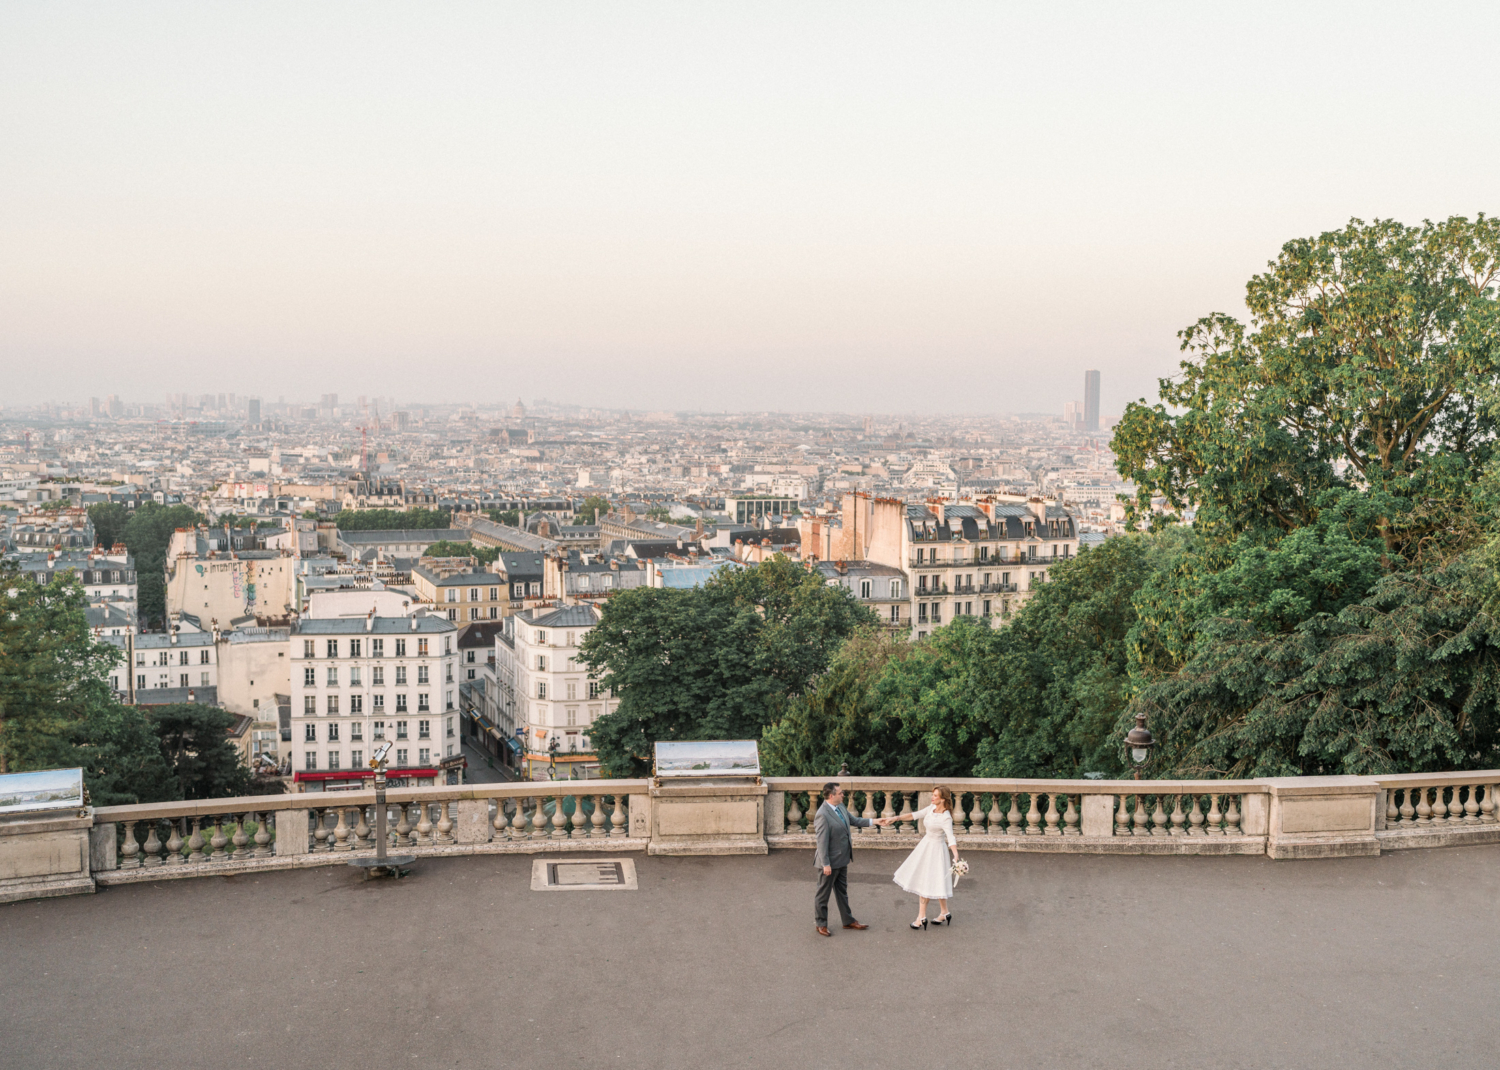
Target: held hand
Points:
(827, 871)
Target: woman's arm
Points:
(948, 832)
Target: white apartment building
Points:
(161, 660)
(357, 683)
(554, 697)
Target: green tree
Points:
(415, 519)
(147, 536)
(109, 520)
(194, 740)
(1370, 362)
(592, 510)
(714, 662)
(485, 555)
(509, 517)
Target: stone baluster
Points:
(886, 811)
(578, 823)
(617, 818)
(1232, 817)
(262, 835)
(906, 813)
(869, 813)
(1178, 817)
(1439, 807)
(541, 826)
(518, 820)
(958, 813)
(1070, 819)
(1013, 816)
(1392, 815)
(195, 842)
(340, 836)
(403, 826)
(424, 823)
(1054, 818)
(361, 834)
(1215, 816)
(1140, 820)
(1195, 818)
(175, 842)
(240, 839)
(1487, 806)
(1424, 811)
(976, 816)
(445, 823)
(1122, 815)
(1471, 805)
(994, 818)
(1033, 816)
(793, 813)
(151, 850)
(1159, 819)
(129, 848)
(1408, 808)
(501, 821)
(559, 817)
(321, 835)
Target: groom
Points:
(831, 826)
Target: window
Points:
(422, 705)
(182, 657)
(354, 646)
(140, 681)
(593, 689)
(333, 732)
(449, 678)
(424, 756)
(921, 555)
(400, 648)
(520, 590)
(309, 759)
(451, 595)
(469, 657)
(333, 704)
(356, 732)
(307, 648)
(895, 614)
(421, 674)
(922, 583)
(401, 730)
(182, 680)
(864, 588)
(494, 594)
(400, 703)
(473, 594)
(453, 614)
(922, 612)
(541, 689)
(474, 613)
(377, 676)
(568, 639)
(377, 648)
(333, 676)
(449, 705)
(356, 704)
(354, 676)
(572, 686)
(203, 657)
(400, 675)
(333, 759)
(377, 702)
(572, 716)
(494, 612)
(401, 759)
(450, 728)
(471, 674)
(356, 759)
(204, 681)
(937, 612)
(377, 730)
(309, 704)
(606, 582)
(541, 637)
(986, 607)
(421, 648)
(140, 659)
(535, 589)
(424, 729)
(541, 663)
(309, 733)
(333, 648)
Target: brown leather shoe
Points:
(823, 931)
(856, 925)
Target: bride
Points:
(926, 873)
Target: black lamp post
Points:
(1139, 742)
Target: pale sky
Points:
(857, 207)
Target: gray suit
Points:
(835, 850)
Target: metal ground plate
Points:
(583, 875)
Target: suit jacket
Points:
(831, 827)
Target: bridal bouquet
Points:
(960, 869)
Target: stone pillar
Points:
(473, 821)
(640, 817)
(712, 816)
(102, 847)
(776, 813)
(1098, 815)
(292, 832)
(1255, 818)
(45, 854)
(1322, 817)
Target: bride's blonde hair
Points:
(946, 796)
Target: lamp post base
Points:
(389, 866)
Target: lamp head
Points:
(1139, 740)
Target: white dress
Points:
(928, 871)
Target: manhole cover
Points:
(595, 875)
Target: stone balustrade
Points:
(1289, 817)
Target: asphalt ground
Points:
(1053, 961)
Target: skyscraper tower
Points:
(1091, 401)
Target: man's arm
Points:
(823, 833)
(860, 822)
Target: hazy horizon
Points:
(848, 208)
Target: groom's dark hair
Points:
(829, 788)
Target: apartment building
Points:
(555, 700)
(356, 683)
(461, 589)
(180, 660)
(882, 588)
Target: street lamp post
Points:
(1139, 741)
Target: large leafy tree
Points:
(414, 519)
(147, 536)
(109, 520)
(485, 555)
(714, 662)
(1370, 362)
(195, 742)
(593, 508)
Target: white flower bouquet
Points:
(960, 869)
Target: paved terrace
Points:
(1055, 961)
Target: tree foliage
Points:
(511, 518)
(714, 662)
(414, 519)
(109, 520)
(194, 739)
(485, 555)
(592, 510)
(147, 535)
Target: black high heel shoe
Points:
(946, 919)
(919, 924)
